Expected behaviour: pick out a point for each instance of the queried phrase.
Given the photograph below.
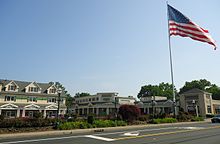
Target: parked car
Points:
(216, 119)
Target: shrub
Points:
(197, 119)
(2, 117)
(184, 116)
(38, 115)
(210, 115)
(96, 124)
(90, 119)
(129, 112)
(144, 118)
(165, 120)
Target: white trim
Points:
(26, 107)
(9, 104)
(52, 105)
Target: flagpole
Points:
(171, 65)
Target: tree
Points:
(215, 90)
(163, 89)
(129, 112)
(204, 85)
(69, 98)
(81, 94)
(201, 84)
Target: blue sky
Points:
(104, 45)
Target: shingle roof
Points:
(195, 90)
(23, 84)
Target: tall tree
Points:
(204, 85)
(163, 89)
(215, 90)
(69, 98)
(81, 94)
(201, 84)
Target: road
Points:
(193, 133)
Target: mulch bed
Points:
(20, 130)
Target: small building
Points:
(196, 101)
(101, 104)
(23, 99)
(155, 105)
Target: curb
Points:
(91, 130)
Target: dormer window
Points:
(11, 88)
(33, 89)
(52, 91)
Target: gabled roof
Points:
(23, 84)
(195, 90)
(9, 82)
(34, 84)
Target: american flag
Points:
(183, 26)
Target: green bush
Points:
(165, 120)
(96, 124)
(197, 119)
(74, 125)
(144, 118)
(90, 119)
(184, 116)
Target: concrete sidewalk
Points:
(92, 130)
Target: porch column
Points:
(163, 111)
(0, 112)
(144, 110)
(18, 113)
(45, 114)
(23, 113)
(107, 111)
(148, 110)
(97, 111)
(87, 111)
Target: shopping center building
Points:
(198, 102)
(23, 99)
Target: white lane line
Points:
(191, 128)
(131, 134)
(37, 140)
(99, 138)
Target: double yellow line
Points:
(164, 133)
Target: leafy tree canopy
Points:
(163, 89)
(81, 94)
(69, 99)
(204, 85)
(201, 84)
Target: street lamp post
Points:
(58, 102)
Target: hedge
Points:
(96, 124)
(164, 120)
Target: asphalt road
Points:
(196, 133)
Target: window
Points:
(209, 110)
(10, 114)
(10, 98)
(51, 100)
(106, 99)
(11, 88)
(32, 99)
(33, 89)
(62, 100)
(53, 91)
